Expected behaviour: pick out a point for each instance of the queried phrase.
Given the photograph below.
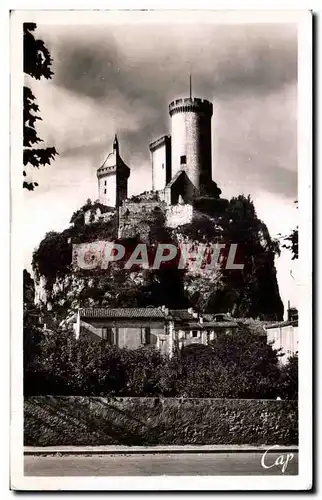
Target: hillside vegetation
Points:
(251, 292)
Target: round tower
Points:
(191, 140)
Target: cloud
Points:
(147, 61)
(255, 142)
(122, 77)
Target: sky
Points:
(120, 78)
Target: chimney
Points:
(165, 310)
(200, 320)
(190, 310)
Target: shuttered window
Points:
(146, 336)
(108, 335)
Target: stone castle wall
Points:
(178, 215)
(143, 214)
(137, 218)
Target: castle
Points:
(181, 165)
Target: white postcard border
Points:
(303, 480)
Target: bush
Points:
(236, 365)
(289, 379)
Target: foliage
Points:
(69, 366)
(252, 292)
(31, 331)
(252, 364)
(37, 64)
(200, 288)
(236, 365)
(291, 240)
(78, 217)
(53, 257)
(145, 196)
(289, 379)
(28, 289)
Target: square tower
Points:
(112, 179)
(161, 162)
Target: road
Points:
(155, 465)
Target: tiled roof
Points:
(208, 325)
(221, 317)
(280, 324)
(176, 177)
(208, 317)
(193, 325)
(122, 312)
(181, 314)
(159, 142)
(113, 160)
(220, 324)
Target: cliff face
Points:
(251, 292)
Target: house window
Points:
(183, 160)
(195, 333)
(162, 165)
(107, 334)
(147, 336)
(104, 191)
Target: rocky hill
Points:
(251, 292)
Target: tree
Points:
(37, 64)
(292, 243)
(291, 240)
(289, 379)
(238, 364)
(31, 333)
(28, 289)
(250, 362)
(251, 292)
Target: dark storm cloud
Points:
(224, 60)
(148, 66)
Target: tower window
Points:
(195, 333)
(105, 183)
(183, 160)
(162, 165)
(104, 191)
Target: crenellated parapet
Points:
(194, 104)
